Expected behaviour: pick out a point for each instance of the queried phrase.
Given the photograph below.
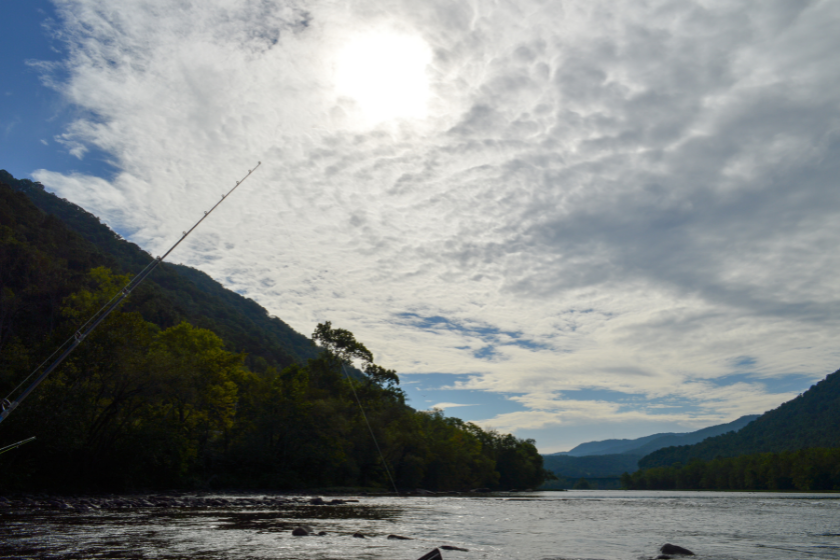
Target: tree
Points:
(582, 484)
(341, 348)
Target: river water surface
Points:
(609, 525)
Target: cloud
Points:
(445, 405)
(627, 197)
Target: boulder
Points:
(433, 555)
(300, 532)
(399, 538)
(358, 536)
(669, 549)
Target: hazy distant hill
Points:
(175, 292)
(612, 457)
(648, 444)
(808, 421)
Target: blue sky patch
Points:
(790, 383)
(489, 334)
(744, 362)
(32, 115)
(635, 401)
(424, 390)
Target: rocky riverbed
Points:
(539, 526)
(178, 501)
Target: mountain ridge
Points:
(647, 444)
(175, 292)
(623, 455)
(811, 420)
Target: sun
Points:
(385, 74)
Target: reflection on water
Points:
(613, 525)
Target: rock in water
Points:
(433, 555)
(669, 548)
(300, 532)
(399, 538)
(449, 547)
(358, 536)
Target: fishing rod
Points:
(7, 406)
(15, 445)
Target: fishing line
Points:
(381, 456)
(8, 406)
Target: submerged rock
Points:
(358, 536)
(300, 532)
(669, 548)
(450, 547)
(399, 538)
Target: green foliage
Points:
(582, 484)
(805, 469)
(150, 400)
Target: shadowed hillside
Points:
(175, 293)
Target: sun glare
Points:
(385, 74)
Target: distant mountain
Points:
(611, 446)
(175, 293)
(612, 457)
(811, 420)
(648, 444)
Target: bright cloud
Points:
(608, 196)
(445, 405)
(386, 74)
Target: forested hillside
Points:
(812, 420)
(157, 397)
(806, 470)
(175, 293)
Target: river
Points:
(608, 525)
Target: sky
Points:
(567, 220)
